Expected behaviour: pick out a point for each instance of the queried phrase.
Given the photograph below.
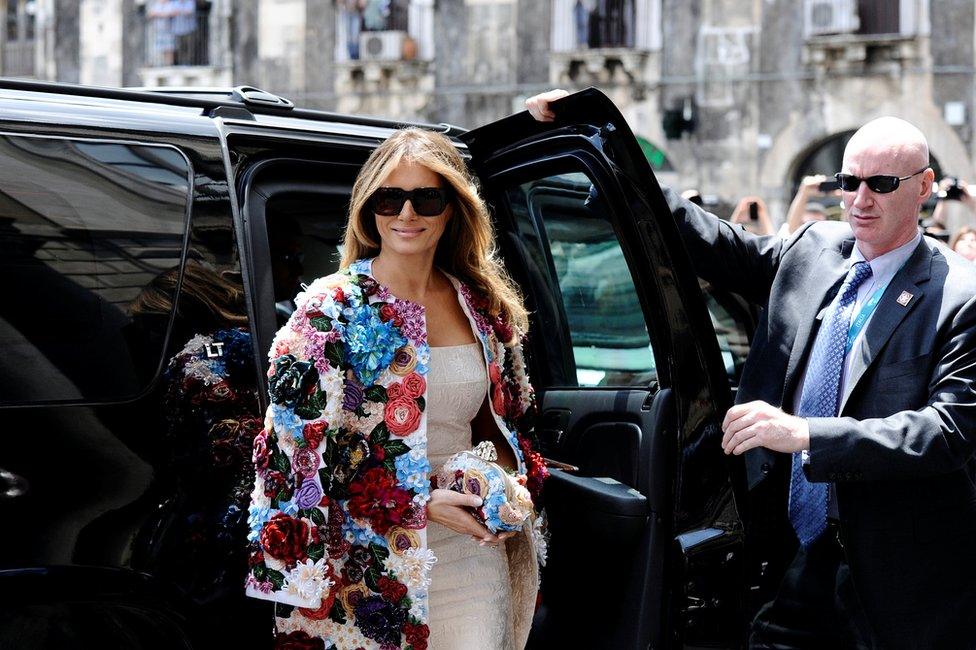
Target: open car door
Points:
(646, 545)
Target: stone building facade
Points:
(755, 92)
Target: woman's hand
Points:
(450, 509)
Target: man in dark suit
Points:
(860, 392)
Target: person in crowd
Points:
(411, 353)
(858, 394)
(956, 207)
(803, 209)
(964, 242)
(752, 215)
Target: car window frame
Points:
(184, 252)
(568, 162)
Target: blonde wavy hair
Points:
(467, 248)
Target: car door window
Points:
(733, 322)
(564, 225)
(92, 235)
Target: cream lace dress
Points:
(470, 594)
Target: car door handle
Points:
(11, 485)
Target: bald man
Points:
(856, 411)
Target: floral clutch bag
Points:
(507, 503)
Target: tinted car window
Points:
(563, 223)
(91, 238)
(733, 323)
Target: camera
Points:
(753, 211)
(953, 192)
(829, 186)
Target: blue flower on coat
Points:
(370, 343)
(413, 471)
(258, 516)
(286, 421)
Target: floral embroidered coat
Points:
(338, 512)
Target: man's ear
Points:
(928, 178)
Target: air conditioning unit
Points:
(830, 17)
(381, 46)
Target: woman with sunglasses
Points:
(411, 353)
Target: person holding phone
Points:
(752, 215)
(802, 208)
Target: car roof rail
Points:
(248, 98)
(247, 95)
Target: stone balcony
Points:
(603, 67)
(394, 87)
(860, 53)
(186, 75)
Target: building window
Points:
(597, 24)
(862, 17)
(384, 30)
(18, 45)
(177, 33)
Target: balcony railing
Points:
(601, 24)
(18, 59)
(177, 34)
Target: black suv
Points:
(150, 243)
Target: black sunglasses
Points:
(426, 201)
(881, 184)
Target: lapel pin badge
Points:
(904, 299)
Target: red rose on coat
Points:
(394, 390)
(414, 385)
(402, 416)
(392, 590)
(498, 402)
(338, 295)
(502, 329)
(387, 312)
(275, 482)
(494, 374)
(260, 455)
(377, 497)
(298, 640)
(314, 433)
(416, 635)
(284, 538)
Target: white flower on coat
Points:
(540, 538)
(308, 580)
(412, 567)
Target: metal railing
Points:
(594, 24)
(176, 36)
(18, 59)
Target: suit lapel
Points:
(889, 314)
(829, 269)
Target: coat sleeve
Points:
(288, 559)
(725, 254)
(936, 439)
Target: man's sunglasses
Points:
(426, 201)
(881, 184)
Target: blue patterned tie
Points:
(819, 399)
